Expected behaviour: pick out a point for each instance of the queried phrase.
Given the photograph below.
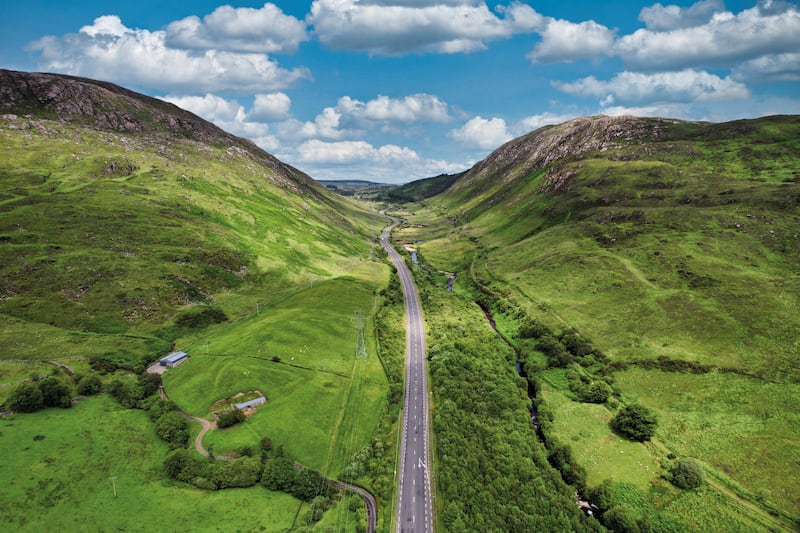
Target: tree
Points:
(279, 474)
(173, 428)
(149, 383)
(244, 472)
(687, 474)
(620, 520)
(183, 466)
(89, 385)
(308, 484)
(55, 393)
(635, 422)
(26, 398)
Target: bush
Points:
(532, 329)
(635, 422)
(183, 466)
(200, 319)
(229, 418)
(26, 398)
(243, 472)
(55, 393)
(576, 345)
(89, 385)
(620, 520)
(687, 475)
(596, 392)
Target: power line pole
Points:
(114, 484)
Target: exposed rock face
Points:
(565, 142)
(108, 107)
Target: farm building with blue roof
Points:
(174, 359)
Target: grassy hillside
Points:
(668, 246)
(107, 231)
(129, 228)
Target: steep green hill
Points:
(120, 214)
(673, 249)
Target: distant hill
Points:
(421, 189)
(361, 188)
(119, 213)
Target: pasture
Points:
(324, 401)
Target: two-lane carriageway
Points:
(414, 500)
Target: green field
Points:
(60, 478)
(324, 403)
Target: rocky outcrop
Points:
(566, 142)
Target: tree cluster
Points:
(32, 396)
(304, 484)
(132, 393)
(391, 340)
(184, 465)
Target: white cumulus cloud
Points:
(687, 85)
(109, 50)
(342, 152)
(660, 18)
(402, 27)
(411, 108)
(563, 40)
(244, 29)
(769, 68)
(534, 122)
(210, 107)
(772, 27)
(483, 133)
(271, 106)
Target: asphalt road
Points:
(414, 501)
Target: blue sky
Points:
(397, 90)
